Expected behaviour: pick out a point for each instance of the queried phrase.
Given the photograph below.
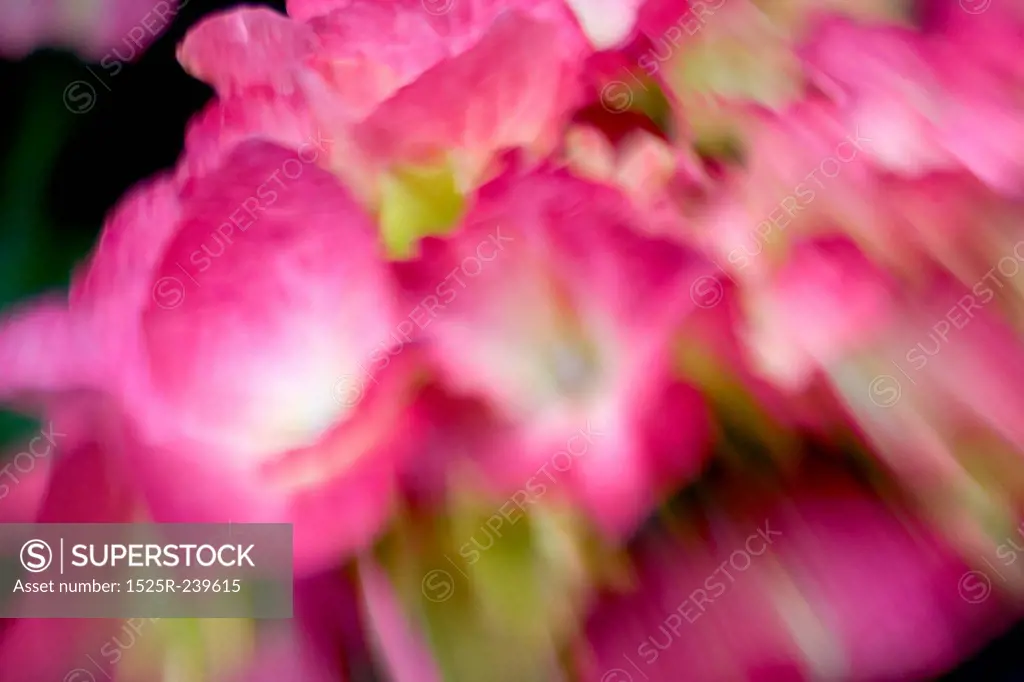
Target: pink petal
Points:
(222, 302)
(456, 431)
(657, 630)
(261, 114)
(116, 284)
(45, 349)
(88, 485)
(337, 493)
(24, 26)
(543, 266)
(363, 60)
(520, 229)
(246, 47)
(24, 484)
(512, 89)
(402, 648)
(825, 302)
(817, 601)
(905, 619)
(281, 292)
(85, 488)
(117, 30)
(371, 49)
(974, 342)
(456, 25)
(33, 649)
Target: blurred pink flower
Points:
(796, 201)
(338, 69)
(826, 302)
(240, 362)
(941, 377)
(828, 582)
(562, 315)
(99, 30)
(606, 23)
(395, 639)
(924, 104)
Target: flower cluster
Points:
(608, 341)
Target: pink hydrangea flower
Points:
(551, 305)
(237, 349)
(339, 69)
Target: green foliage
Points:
(34, 255)
(415, 203)
(492, 601)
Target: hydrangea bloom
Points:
(608, 284)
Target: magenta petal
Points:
(282, 295)
(828, 583)
(22, 492)
(53, 648)
(338, 493)
(512, 89)
(239, 312)
(44, 350)
(246, 47)
(986, 349)
(826, 302)
(563, 320)
(401, 647)
(88, 486)
(888, 589)
(84, 487)
(260, 114)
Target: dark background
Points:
(62, 171)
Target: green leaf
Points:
(487, 609)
